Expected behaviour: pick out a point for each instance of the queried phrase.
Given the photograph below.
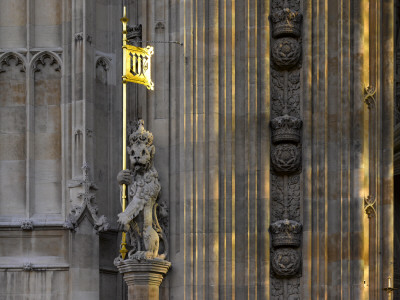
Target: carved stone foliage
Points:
(293, 93)
(145, 219)
(285, 197)
(277, 93)
(285, 93)
(83, 204)
(276, 289)
(293, 189)
(277, 198)
(278, 5)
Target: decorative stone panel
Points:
(286, 146)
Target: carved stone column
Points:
(286, 154)
(143, 277)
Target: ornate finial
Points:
(286, 22)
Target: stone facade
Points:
(274, 144)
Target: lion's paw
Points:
(123, 218)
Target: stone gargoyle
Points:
(140, 218)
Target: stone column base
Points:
(143, 277)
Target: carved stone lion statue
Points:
(140, 216)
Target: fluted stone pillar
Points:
(143, 277)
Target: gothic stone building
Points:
(277, 137)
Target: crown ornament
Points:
(285, 233)
(140, 135)
(286, 129)
(286, 22)
(134, 34)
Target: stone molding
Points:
(29, 266)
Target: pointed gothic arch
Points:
(8, 56)
(40, 59)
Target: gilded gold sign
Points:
(138, 65)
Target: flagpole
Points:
(124, 21)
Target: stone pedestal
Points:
(143, 277)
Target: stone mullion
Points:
(264, 153)
(213, 149)
(386, 148)
(307, 205)
(359, 158)
(30, 130)
(371, 99)
(333, 152)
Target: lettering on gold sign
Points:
(138, 65)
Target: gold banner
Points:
(138, 65)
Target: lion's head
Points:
(141, 149)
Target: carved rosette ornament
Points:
(286, 52)
(286, 158)
(286, 154)
(285, 262)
